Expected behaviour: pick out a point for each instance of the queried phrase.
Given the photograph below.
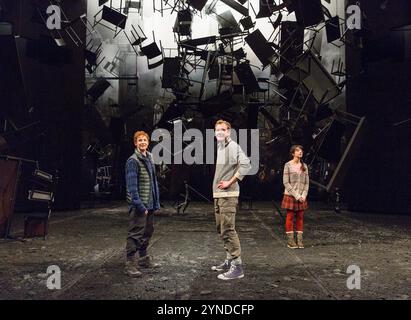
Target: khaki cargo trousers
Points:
(225, 210)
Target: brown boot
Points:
(300, 240)
(131, 269)
(290, 241)
(147, 262)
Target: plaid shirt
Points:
(296, 183)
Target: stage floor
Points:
(88, 247)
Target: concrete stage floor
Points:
(88, 246)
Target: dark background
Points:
(378, 87)
(51, 90)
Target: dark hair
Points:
(292, 150)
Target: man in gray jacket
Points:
(232, 165)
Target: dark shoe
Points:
(235, 272)
(290, 241)
(147, 262)
(131, 269)
(225, 266)
(300, 240)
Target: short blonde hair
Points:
(223, 122)
(140, 133)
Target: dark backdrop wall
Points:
(52, 92)
(379, 88)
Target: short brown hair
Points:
(223, 122)
(140, 133)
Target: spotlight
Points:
(37, 195)
(43, 175)
(6, 29)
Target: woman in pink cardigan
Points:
(296, 184)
